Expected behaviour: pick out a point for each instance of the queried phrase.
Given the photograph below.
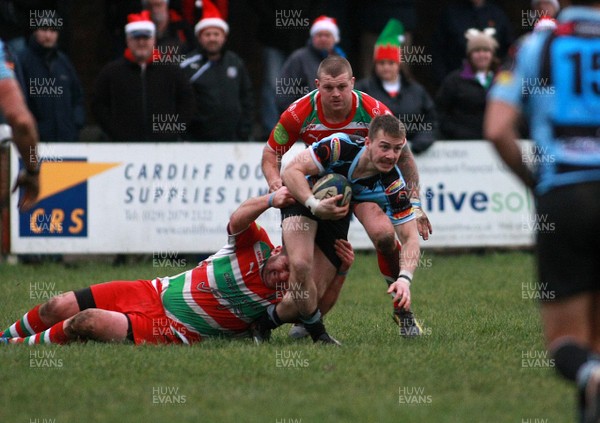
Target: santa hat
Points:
(211, 18)
(477, 39)
(545, 23)
(325, 23)
(387, 46)
(140, 24)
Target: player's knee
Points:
(53, 307)
(83, 324)
(385, 242)
(300, 268)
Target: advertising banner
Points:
(147, 197)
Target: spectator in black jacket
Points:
(138, 97)
(221, 84)
(52, 88)
(461, 99)
(391, 84)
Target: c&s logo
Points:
(62, 207)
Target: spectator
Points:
(448, 44)
(138, 98)
(373, 17)
(462, 97)
(282, 28)
(392, 84)
(173, 34)
(299, 71)
(18, 17)
(52, 88)
(221, 84)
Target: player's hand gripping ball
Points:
(331, 185)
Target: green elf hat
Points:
(387, 46)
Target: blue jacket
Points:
(53, 91)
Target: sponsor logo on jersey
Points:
(262, 251)
(281, 135)
(402, 214)
(314, 136)
(293, 113)
(336, 148)
(394, 187)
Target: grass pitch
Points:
(481, 358)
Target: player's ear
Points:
(352, 80)
(317, 83)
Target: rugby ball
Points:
(331, 185)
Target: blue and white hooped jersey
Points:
(338, 153)
(556, 82)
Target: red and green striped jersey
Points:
(225, 292)
(304, 120)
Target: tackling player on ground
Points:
(336, 107)
(219, 297)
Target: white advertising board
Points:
(149, 197)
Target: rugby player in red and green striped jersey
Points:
(222, 296)
(335, 106)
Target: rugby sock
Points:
(29, 324)
(389, 264)
(269, 320)
(55, 335)
(273, 316)
(569, 358)
(314, 325)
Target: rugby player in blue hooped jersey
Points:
(556, 83)
(371, 170)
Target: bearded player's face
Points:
(384, 150)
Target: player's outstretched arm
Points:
(409, 258)
(270, 167)
(252, 208)
(344, 251)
